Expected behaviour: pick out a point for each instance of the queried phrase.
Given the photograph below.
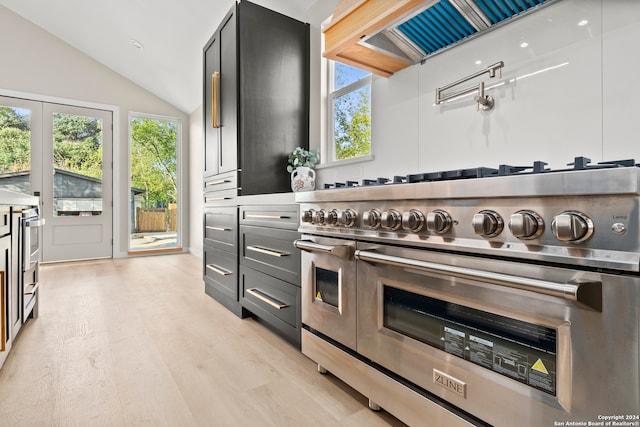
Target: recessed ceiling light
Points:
(478, 62)
(583, 23)
(524, 44)
(135, 43)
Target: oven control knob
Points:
(332, 217)
(413, 220)
(348, 218)
(572, 226)
(439, 221)
(526, 225)
(487, 223)
(371, 218)
(318, 216)
(307, 216)
(391, 219)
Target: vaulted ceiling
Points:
(172, 34)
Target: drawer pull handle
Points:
(262, 297)
(211, 227)
(31, 288)
(260, 216)
(266, 251)
(214, 199)
(218, 270)
(221, 181)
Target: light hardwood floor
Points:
(136, 342)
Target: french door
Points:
(69, 167)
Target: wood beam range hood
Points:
(385, 36)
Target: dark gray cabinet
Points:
(270, 267)
(256, 97)
(256, 111)
(221, 98)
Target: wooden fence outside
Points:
(173, 216)
(155, 219)
(151, 219)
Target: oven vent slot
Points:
(445, 23)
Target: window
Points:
(349, 111)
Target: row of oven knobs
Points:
(437, 221)
(570, 226)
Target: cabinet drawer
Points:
(221, 227)
(271, 299)
(221, 198)
(276, 216)
(271, 251)
(221, 271)
(5, 220)
(222, 181)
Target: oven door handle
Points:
(588, 293)
(341, 251)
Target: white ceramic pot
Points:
(303, 179)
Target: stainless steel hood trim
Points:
(475, 17)
(472, 13)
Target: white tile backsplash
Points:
(570, 92)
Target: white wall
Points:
(196, 183)
(36, 63)
(584, 104)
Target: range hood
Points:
(408, 32)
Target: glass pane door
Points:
(154, 187)
(77, 187)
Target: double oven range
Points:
(483, 296)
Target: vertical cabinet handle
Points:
(215, 89)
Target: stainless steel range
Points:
(505, 296)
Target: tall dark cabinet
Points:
(256, 97)
(256, 111)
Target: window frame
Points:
(332, 94)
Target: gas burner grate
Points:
(537, 167)
(583, 163)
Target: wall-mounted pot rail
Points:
(485, 102)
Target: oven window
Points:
(519, 350)
(327, 286)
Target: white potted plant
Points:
(300, 166)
